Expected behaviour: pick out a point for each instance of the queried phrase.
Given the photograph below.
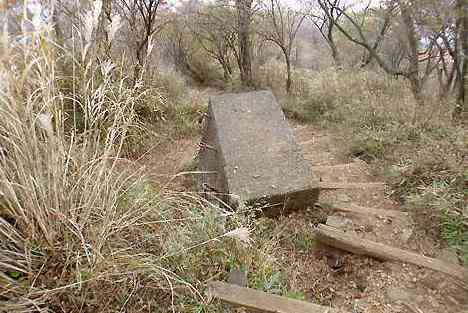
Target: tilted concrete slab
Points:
(248, 152)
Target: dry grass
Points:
(80, 228)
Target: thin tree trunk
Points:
(288, 69)
(226, 70)
(244, 20)
(334, 53)
(462, 97)
(104, 44)
(413, 43)
(59, 37)
(228, 66)
(333, 48)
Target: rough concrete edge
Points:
(221, 166)
(285, 203)
(235, 200)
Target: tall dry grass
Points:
(80, 228)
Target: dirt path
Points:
(356, 284)
(361, 284)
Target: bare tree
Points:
(412, 37)
(280, 27)
(180, 46)
(383, 28)
(145, 22)
(324, 16)
(244, 19)
(216, 34)
(413, 44)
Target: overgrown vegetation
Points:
(86, 89)
(79, 228)
(421, 153)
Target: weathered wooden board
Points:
(260, 301)
(335, 167)
(365, 211)
(332, 185)
(352, 243)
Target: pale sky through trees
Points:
(37, 10)
(357, 4)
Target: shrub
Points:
(271, 75)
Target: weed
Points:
(452, 229)
(303, 241)
(298, 295)
(270, 282)
(367, 148)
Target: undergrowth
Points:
(418, 149)
(80, 228)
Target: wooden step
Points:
(312, 141)
(312, 157)
(323, 168)
(357, 245)
(360, 210)
(260, 301)
(333, 185)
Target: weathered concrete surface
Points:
(249, 144)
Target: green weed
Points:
(302, 241)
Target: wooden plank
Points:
(352, 243)
(332, 185)
(318, 156)
(360, 210)
(260, 301)
(345, 166)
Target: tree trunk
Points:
(443, 86)
(103, 40)
(244, 14)
(226, 69)
(334, 53)
(413, 43)
(416, 90)
(228, 65)
(141, 51)
(288, 69)
(59, 37)
(333, 48)
(462, 97)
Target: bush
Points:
(271, 75)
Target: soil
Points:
(354, 283)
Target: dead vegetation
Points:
(80, 228)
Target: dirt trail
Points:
(356, 284)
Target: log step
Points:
(260, 301)
(322, 168)
(319, 157)
(360, 210)
(333, 186)
(348, 242)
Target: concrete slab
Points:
(251, 156)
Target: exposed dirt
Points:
(356, 284)
(363, 284)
